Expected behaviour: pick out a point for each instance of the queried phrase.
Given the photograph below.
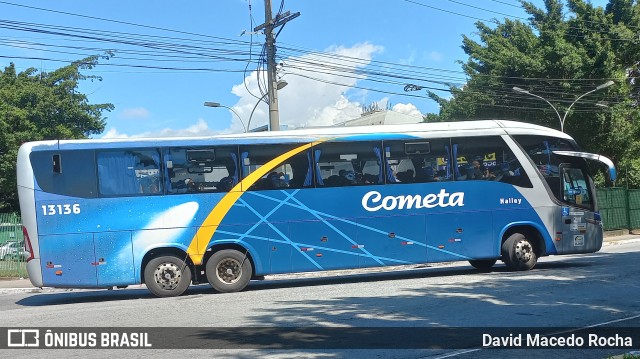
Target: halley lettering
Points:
(373, 201)
(510, 200)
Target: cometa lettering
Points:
(373, 201)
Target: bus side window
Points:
(201, 169)
(294, 172)
(340, 164)
(417, 161)
(129, 172)
(487, 158)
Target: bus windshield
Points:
(540, 150)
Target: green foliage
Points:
(42, 106)
(559, 56)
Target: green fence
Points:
(11, 246)
(10, 228)
(620, 208)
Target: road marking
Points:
(458, 353)
(613, 321)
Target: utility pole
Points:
(269, 25)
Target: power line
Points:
(202, 69)
(506, 3)
(165, 48)
(114, 21)
(589, 29)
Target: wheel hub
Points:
(524, 251)
(229, 270)
(167, 275)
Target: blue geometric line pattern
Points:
(263, 219)
(315, 214)
(379, 259)
(359, 225)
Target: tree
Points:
(42, 106)
(558, 56)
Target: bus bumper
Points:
(35, 272)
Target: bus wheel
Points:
(167, 276)
(483, 264)
(228, 271)
(518, 253)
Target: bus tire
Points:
(228, 271)
(518, 253)
(167, 276)
(483, 264)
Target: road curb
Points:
(57, 290)
(622, 241)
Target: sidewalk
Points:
(23, 285)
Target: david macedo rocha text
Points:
(529, 340)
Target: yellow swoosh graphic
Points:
(206, 231)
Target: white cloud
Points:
(200, 128)
(134, 113)
(410, 60)
(407, 109)
(314, 96)
(435, 56)
(113, 133)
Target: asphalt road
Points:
(594, 290)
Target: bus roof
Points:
(431, 130)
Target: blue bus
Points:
(227, 209)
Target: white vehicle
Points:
(11, 251)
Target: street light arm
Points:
(517, 89)
(604, 85)
(216, 104)
(574, 102)
(239, 118)
(253, 110)
(280, 85)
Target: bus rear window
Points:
(79, 180)
(129, 172)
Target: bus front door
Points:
(581, 227)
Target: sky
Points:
(167, 58)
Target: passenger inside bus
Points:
(276, 180)
(503, 171)
(426, 174)
(349, 176)
(225, 184)
(405, 176)
(190, 185)
(368, 178)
